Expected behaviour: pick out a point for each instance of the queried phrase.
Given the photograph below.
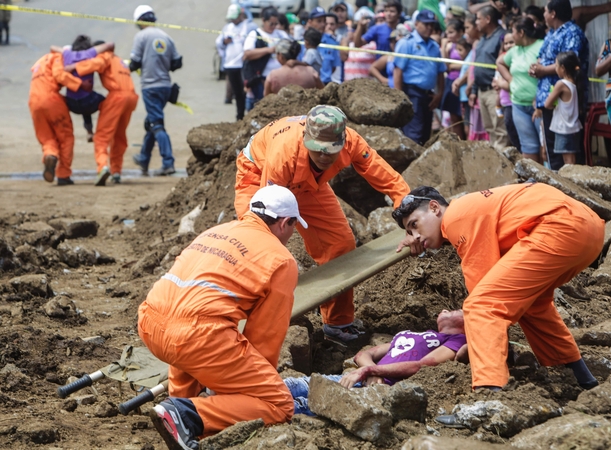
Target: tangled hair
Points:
(456, 24)
(562, 8)
(82, 42)
(492, 12)
(527, 25)
(464, 44)
(416, 199)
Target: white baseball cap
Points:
(233, 12)
(142, 10)
(278, 201)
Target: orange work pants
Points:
(53, 128)
(328, 236)
(520, 288)
(211, 352)
(115, 114)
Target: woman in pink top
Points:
(292, 71)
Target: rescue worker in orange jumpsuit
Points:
(517, 244)
(115, 112)
(234, 271)
(303, 153)
(52, 122)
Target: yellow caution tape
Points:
(206, 30)
(185, 107)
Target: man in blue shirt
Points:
(330, 57)
(564, 36)
(379, 33)
(417, 78)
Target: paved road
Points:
(32, 34)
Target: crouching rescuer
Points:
(234, 271)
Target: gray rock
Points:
(46, 238)
(13, 379)
(74, 228)
(573, 431)
(33, 285)
(528, 168)
(210, 140)
(234, 435)
(360, 411)
(512, 154)
(296, 352)
(596, 401)
(95, 340)
(80, 255)
(604, 270)
(453, 167)
(84, 400)
(60, 307)
(447, 443)
(32, 227)
(105, 409)
(368, 102)
(380, 222)
(38, 432)
(405, 400)
(599, 334)
(596, 178)
(28, 254)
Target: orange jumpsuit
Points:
(52, 122)
(234, 271)
(115, 111)
(276, 155)
(517, 244)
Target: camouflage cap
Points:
(325, 129)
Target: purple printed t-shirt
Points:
(71, 57)
(412, 346)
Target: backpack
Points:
(252, 70)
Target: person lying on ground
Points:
(390, 363)
(517, 244)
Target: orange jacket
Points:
(237, 270)
(483, 226)
(279, 155)
(48, 75)
(114, 74)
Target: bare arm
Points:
(603, 66)
(56, 49)
(473, 9)
(398, 78)
(375, 70)
(257, 53)
(538, 70)
(503, 68)
(584, 14)
(267, 87)
(555, 95)
(358, 34)
(106, 47)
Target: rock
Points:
(380, 222)
(6, 256)
(510, 414)
(70, 405)
(187, 222)
(46, 238)
(573, 431)
(360, 411)
(528, 168)
(368, 102)
(604, 270)
(33, 285)
(456, 167)
(38, 433)
(28, 254)
(105, 409)
(210, 140)
(357, 222)
(405, 400)
(447, 443)
(512, 154)
(599, 366)
(60, 307)
(95, 340)
(74, 228)
(599, 334)
(13, 379)
(84, 400)
(79, 255)
(596, 401)
(296, 352)
(232, 436)
(32, 227)
(595, 178)
(607, 241)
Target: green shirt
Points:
(523, 87)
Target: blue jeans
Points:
(300, 389)
(155, 100)
(527, 130)
(419, 128)
(257, 90)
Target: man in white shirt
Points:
(231, 43)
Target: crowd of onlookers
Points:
(535, 99)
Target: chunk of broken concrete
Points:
(296, 352)
(210, 140)
(573, 431)
(596, 178)
(599, 334)
(360, 411)
(231, 436)
(405, 400)
(447, 443)
(595, 401)
(604, 270)
(80, 255)
(368, 102)
(32, 227)
(380, 222)
(60, 307)
(34, 285)
(74, 228)
(462, 166)
(105, 409)
(527, 168)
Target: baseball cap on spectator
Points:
(458, 11)
(278, 201)
(363, 13)
(233, 12)
(319, 11)
(426, 16)
(325, 129)
(338, 3)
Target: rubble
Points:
(454, 167)
(447, 443)
(80, 255)
(60, 307)
(210, 140)
(596, 178)
(33, 285)
(234, 435)
(380, 222)
(529, 169)
(596, 401)
(74, 228)
(296, 352)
